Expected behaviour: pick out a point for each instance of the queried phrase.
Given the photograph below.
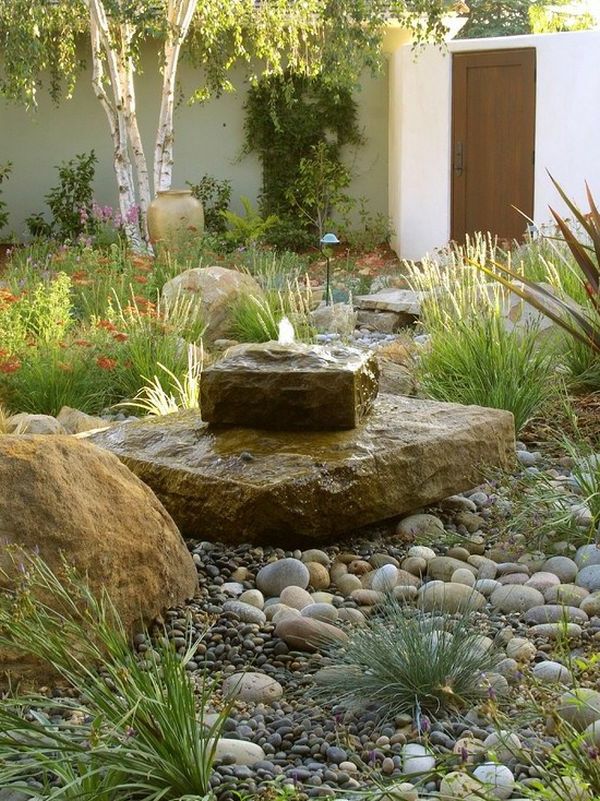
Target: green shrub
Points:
(70, 201)
(257, 319)
(139, 732)
(405, 661)
(250, 228)
(475, 360)
(154, 334)
(4, 175)
(215, 196)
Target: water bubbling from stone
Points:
(286, 332)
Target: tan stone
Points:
(76, 422)
(216, 289)
(64, 496)
(319, 575)
(24, 423)
(240, 485)
(284, 387)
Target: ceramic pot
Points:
(173, 213)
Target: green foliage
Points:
(156, 401)
(140, 734)
(249, 228)
(286, 117)
(476, 360)
(70, 202)
(48, 377)
(215, 196)
(4, 175)
(257, 319)
(583, 323)
(551, 502)
(374, 229)
(155, 334)
(496, 18)
(514, 17)
(405, 661)
(319, 188)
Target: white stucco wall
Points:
(567, 131)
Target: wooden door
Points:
(493, 142)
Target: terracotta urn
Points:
(174, 213)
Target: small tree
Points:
(332, 38)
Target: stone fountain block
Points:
(289, 387)
(242, 485)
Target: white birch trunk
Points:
(116, 112)
(179, 18)
(135, 139)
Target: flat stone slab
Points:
(288, 387)
(241, 485)
(403, 301)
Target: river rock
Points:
(542, 580)
(420, 525)
(442, 567)
(516, 598)
(589, 577)
(563, 567)
(417, 760)
(240, 485)
(569, 594)
(555, 613)
(256, 688)
(316, 555)
(498, 780)
(64, 497)
(385, 578)
(591, 604)
(245, 612)
(325, 612)
(550, 672)
(243, 752)
(306, 634)
(451, 598)
(276, 576)
(252, 597)
(295, 597)
(554, 631)
(215, 290)
(587, 555)
(319, 575)
(580, 707)
(457, 785)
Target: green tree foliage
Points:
(514, 17)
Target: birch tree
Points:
(41, 42)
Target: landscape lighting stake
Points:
(328, 239)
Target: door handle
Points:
(459, 158)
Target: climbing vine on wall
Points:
(287, 118)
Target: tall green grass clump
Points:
(138, 734)
(405, 661)
(475, 355)
(256, 319)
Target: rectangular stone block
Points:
(290, 387)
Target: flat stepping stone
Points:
(244, 485)
(403, 301)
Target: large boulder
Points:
(216, 289)
(64, 497)
(241, 485)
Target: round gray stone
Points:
(275, 577)
(516, 598)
